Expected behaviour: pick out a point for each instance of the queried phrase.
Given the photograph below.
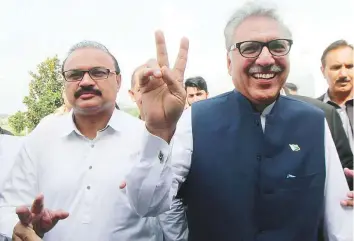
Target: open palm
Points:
(163, 95)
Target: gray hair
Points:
(92, 45)
(249, 9)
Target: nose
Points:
(343, 72)
(86, 80)
(265, 58)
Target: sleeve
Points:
(338, 220)
(160, 169)
(174, 222)
(19, 189)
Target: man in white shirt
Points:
(250, 164)
(72, 164)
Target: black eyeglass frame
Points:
(262, 44)
(83, 72)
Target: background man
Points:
(337, 69)
(292, 88)
(196, 88)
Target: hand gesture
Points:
(41, 219)
(163, 94)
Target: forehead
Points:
(193, 90)
(343, 55)
(86, 58)
(259, 28)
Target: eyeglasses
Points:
(96, 73)
(252, 49)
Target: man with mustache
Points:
(72, 165)
(337, 69)
(250, 164)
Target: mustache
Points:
(264, 69)
(87, 90)
(343, 79)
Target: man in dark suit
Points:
(337, 131)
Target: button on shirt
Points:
(159, 182)
(82, 177)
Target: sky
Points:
(33, 30)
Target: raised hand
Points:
(163, 95)
(39, 218)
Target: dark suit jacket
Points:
(338, 134)
(349, 109)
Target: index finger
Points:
(161, 50)
(181, 61)
(37, 206)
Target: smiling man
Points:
(250, 164)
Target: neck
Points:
(340, 97)
(89, 125)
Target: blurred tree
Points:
(45, 93)
(17, 122)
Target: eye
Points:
(249, 47)
(73, 75)
(99, 73)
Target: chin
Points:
(264, 96)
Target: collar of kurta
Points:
(115, 122)
(327, 99)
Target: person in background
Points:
(134, 91)
(196, 88)
(5, 132)
(292, 88)
(337, 69)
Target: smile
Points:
(264, 76)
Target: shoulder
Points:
(301, 108)
(315, 102)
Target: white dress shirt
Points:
(82, 177)
(9, 149)
(162, 168)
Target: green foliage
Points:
(45, 94)
(17, 122)
(132, 111)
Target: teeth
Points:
(264, 76)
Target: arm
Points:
(159, 171)
(174, 222)
(338, 220)
(19, 189)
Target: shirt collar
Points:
(268, 109)
(69, 126)
(327, 99)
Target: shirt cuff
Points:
(156, 148)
